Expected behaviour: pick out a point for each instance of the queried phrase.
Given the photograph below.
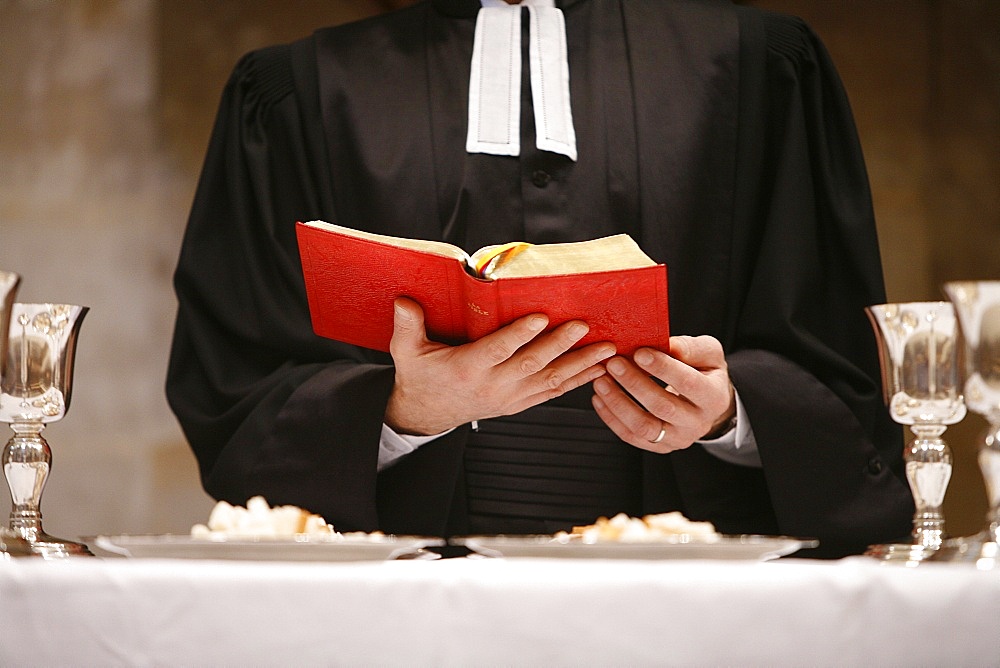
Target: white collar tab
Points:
(495, 81)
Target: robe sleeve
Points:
(804, 357)
(267, 406)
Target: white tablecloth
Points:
(468, 612)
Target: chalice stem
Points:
(989, 464)
(928, 470)
(26, 463)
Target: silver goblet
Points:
(977, 304)
(10, 544)
(918, 350)
(36, 390)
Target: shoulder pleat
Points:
(266, 77)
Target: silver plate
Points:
(301, 548)
(744, 547)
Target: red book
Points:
(352, 278)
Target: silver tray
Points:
(741, 547)
(300, 548)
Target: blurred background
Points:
(105, 112)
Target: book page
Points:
(519, 258)
(605, 254)
(427, 246)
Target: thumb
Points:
(407, 325)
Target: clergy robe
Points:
(718, 136)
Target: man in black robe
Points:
(718, 136)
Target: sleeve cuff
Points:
(738, 445)
(393, 446)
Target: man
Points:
(718, 136)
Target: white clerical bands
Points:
(495, 81)
(663, 432)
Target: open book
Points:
(352, 278)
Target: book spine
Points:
(480, 305)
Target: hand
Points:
(698, 401)
(439, 387)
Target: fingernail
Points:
(616, 366)
(601, 386)
(402, 312)
(578, 330)
(644, 358)
(537, 323)
(605, 352)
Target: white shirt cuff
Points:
(738, 445)
(393, 446)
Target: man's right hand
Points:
(439, 387)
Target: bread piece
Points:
(623, 528)
(259, 520)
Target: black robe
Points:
(718, 136)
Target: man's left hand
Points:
(697, 402)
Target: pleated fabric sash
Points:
(546, 469)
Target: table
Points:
(469, 612)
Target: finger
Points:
(573, 362)
(626, 434)
(408, 332)
(496, 348)
(689, 380)
(561, 375)
(700, 352)
(662, 403)
(578, 380)
(639, 424)
(538, 355)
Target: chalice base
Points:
(48, 546)
(900, 552)
(981, 550)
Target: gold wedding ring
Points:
(663, 432)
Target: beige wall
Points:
(105, 109)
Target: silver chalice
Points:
(977, 304)
(35, 391)
(918, 349)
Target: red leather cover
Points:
(352, 282)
